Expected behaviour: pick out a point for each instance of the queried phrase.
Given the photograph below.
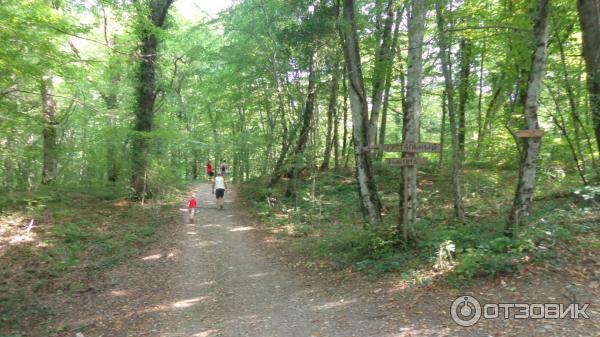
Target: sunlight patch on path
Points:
(334, 304)
(241, 229)
(206, 333)
(189, 302)
(151, 257)
(261, 274)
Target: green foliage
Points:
(496, 257)
(325, 228)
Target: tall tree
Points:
(331, 136)
(367, 190)
(307, 117)
(50, 161)
(390, 75)
(412, 116)
(146, 93)
(589, 19)
(531, 146)
(463, 92)
(383, 62)
(449, 93)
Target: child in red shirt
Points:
(192, 207)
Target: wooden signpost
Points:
(405, 161)
(407, 147)
(412, 161)
(534, 133)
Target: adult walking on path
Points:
(223, 167)
(219, 188)
(209, 170)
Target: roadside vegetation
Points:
(324, 224)
(60, 239)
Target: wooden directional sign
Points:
(405, 161)
(407, 147)
(535, 133)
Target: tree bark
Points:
(345, 119)
(50, 160)
(367, 189)
(443, 130)
(331, 113)
(307, 117)
(412, 117)
(465, 73)
(494, 104)
(455, 135)
(529, 156)
(560, 123)
(573, 102)
(390, 75)
(480, 127)
(382, 64)
(336, 140)
(112, 104)
(589, 19)
(145, 96)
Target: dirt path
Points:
(217, 277)
(227, 287)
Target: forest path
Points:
(222, 276)
(227, 286)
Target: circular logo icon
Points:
(465, 310)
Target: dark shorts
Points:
(211, 174)
(220, 193)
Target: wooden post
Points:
(406, 162)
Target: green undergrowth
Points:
(323, 222)
(76, 234)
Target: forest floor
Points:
(224, 275)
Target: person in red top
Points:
(209, 170)
(192, 207)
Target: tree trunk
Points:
(495, 103)
(382, 64)
(390, 75)
(367, 189)
(385, 108)
(443, 130)
(560, 123)
(146, 96)
(578, 125)
(589, 19)
(465, 73)
(331, 113)
(529, 156)
(336, 140)
(50, 161)
(112, 163)
(345, 119)
(480, 101)
(287, 134)
(307, 117)
(285, 146)
(412, 117)
(455, 139)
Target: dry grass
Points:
(60, 243)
